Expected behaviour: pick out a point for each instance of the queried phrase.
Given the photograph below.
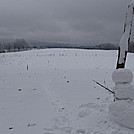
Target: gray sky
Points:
(94, 21)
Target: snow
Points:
(131, 3)
(123, 113)
(56, 94)
(122, 76)
(122, 110)
(124, 91)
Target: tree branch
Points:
(104, 87)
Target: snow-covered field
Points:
(52, 91)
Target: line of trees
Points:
(22, 44)
(14, 46)
(107, 46)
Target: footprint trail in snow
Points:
(61, 121)
(64, 121)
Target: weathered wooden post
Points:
(126, 38)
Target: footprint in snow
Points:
(80, 131)
(63, 130)
(86, 109)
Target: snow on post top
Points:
(131, 3)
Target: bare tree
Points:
(20, 44)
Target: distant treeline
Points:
(14, 46)
(104, 46)
(107, 46)
(22, 44)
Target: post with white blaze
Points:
(122, 109)
(126, 38)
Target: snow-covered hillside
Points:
(52, 91)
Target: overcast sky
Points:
(63, 20)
